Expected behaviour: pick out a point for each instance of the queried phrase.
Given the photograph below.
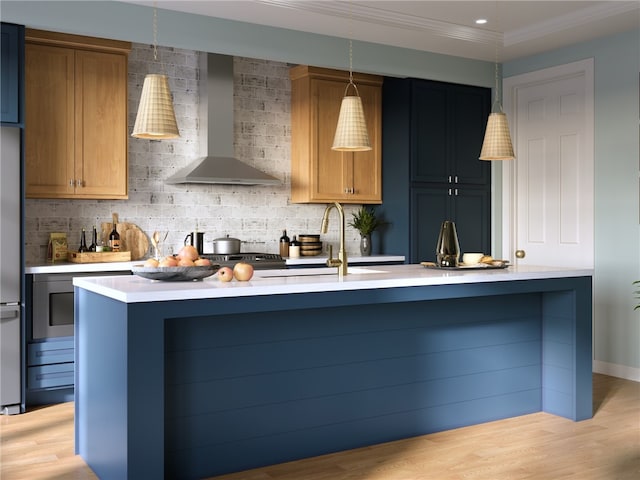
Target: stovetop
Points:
(262, 261)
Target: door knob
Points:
(520, 254)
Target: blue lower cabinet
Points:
(50, 376)
(50, 371)
(45, 353)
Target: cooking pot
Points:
(226, 245)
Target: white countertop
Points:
(134, 289)
(322, 260)
(70, 267)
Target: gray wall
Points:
(617, 256)
(617, 216)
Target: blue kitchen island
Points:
(197, 379)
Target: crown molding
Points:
(372, 15)
(560, 23)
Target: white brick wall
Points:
(255, 214)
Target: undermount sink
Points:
(306, 272)
(360, 270)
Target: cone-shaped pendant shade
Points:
(497, 139)
(156, 119)
(351, 132)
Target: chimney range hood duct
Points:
(216, 118)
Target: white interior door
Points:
(548, 190)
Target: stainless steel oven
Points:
(52, 314)
(52, 303)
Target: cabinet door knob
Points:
(449, 178)
(449, 192)
(71, 182)
(520, 253)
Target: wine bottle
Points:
(114, 238)
(83, 242)
(284, 244)
(94, 240)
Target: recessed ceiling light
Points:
(481, 21)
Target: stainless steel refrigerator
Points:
(11, 291)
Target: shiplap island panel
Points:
(190, 380)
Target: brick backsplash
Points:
(262, 138)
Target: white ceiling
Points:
(515, 28)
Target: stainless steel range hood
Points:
(216, 119)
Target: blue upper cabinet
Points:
(448, 123)
(12, 44)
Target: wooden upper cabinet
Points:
(76, 116)
(318, 173)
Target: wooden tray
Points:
(98, 257)
(498, 264)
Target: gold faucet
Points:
(341, 261)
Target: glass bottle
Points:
(83, 242)
(94, 240)
(284, 244)
(114, 238)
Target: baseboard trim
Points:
(615, 370)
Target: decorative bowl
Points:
(174, 274)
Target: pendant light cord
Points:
(155, 33)
(350, 61)
(351, 50)
(155, 38)
(351, 82)
(498, 96)
(496, 101)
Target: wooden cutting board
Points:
(132, 238)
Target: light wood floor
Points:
(39, 445)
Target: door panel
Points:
(328, 174)
(101, 113)
(49, 138)
(469, 118)
(429, 208)
(10, 195)
(429, 152)
(471, 211)
(549, 187)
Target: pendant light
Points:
(497, 139)
(351, 132)
(156, 119)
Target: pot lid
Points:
(226, 239)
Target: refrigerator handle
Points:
(9, 314)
